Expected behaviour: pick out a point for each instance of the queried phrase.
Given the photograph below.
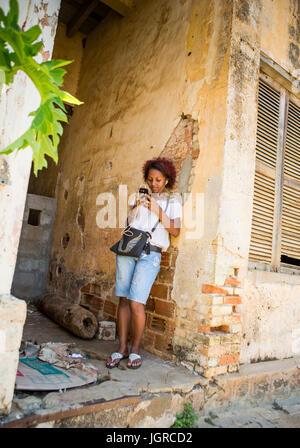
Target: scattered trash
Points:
(36, 375)
(75, 355)
(61, 355)
(53, 366)
(106, 331)
(28, 349)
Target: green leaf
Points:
(67, 98)
(32, 34)
(33, 49)
(60, 115)
(59, 102)
(2, 16)
(41, 116)
(55, 63)
(39, 161)
(20, 143)
(13, 13)
(9, 77)
(4, 59)
(57, 128)
(57, 75)
(49, 148)
(43, 135)
(14, 40)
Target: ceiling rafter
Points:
(118, 6)
(81, 15)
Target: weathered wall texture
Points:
(135, 91)
(18, 100)
(138, 76)
(280, 35)
(69, 49)
(270, 310)
(165, 59)
(31, 272)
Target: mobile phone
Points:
(143, 191)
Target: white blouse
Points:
(145, 220)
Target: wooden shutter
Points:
(290, 235)
(267, 134)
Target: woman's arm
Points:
(171, 225)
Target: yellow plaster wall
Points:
(69, 49)
(280, 33)
(137, 78)
(207, 67)
(138, 75)
(270, 311)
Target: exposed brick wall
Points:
(183, 144)
(161, 310)
(97, 298)
(206, 335)
(214, 327)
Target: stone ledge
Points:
(12, 318)
(157, 407)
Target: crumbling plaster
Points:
(280, 36)
(17, 101)
(270, 310)
(13, 122)
(270, 301)
(134, 91)
(200, 58)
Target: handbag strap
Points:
(152, 230)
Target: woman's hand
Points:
(171, 225)
(152, 205)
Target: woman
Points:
(135, 276)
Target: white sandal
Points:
(133, 357)
(115, 356)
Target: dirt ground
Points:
(161, 388)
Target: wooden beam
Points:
(277, 229)
(118, 6)
(80, 16)
(276, 72)
(84, 408)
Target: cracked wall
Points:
(164, 61)
(168, 60)
(17, 101)
(270, 311)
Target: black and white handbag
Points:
(134, 241)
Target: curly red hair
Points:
(165, 166)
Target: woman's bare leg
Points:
(138, 319)
(123, 321)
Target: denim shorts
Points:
(135, 276)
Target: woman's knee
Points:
(124, 302)
(137, 307)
